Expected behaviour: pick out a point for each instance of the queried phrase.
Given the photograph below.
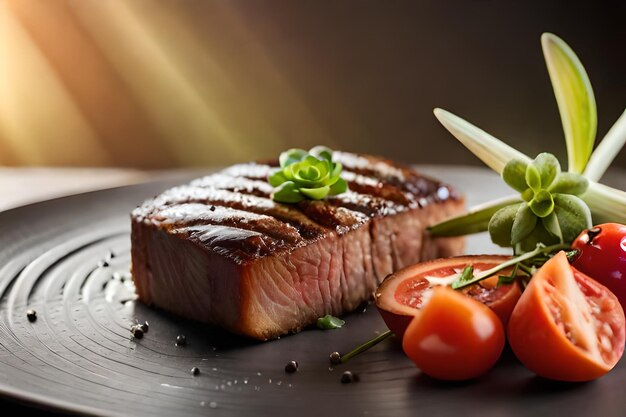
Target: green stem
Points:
(365, 346)
(528, 255)
(526, 269)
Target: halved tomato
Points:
(402, 294)
(454, 337)
(566, 326)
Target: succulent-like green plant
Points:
(550, 211)
(548, 208)
(303, 174)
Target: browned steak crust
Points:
(219, 250)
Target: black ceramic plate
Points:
(79, 356)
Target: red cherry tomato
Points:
(603, 257)
(401, 295)
(566, 326)
(454, 337)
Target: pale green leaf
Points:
(287, 192)
(523, 224)
(533, 178)
(575, 99)
(316, 193)
(514, 174)
(329, 322)
(492, 151)
(276, 178)
(538, 236)
(501, 224)
(570, 183)
(322, 152)
(341, 186)
(542, 204)
(290, 156)
(573, 215)
(476, 220)
(548, 167)
(607, 150)
(551, 223)
(608, 205)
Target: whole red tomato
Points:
(454, 337)
(603, 257)
(566, 326)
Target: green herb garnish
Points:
(509, 279)
(329, 322)
(540, 250)
(552, 206)
(304, 174)
(466, 276)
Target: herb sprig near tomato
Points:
(401, 296)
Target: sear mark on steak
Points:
(221, 251)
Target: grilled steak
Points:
(221, 251)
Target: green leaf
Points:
(329, 322)
(570, 183)
(316, 193)
(573, 215)
(341, 186)
(508, 279)
(514, 174)
(607, 150)
(322, 152)
(466, 276)
(533, 178)
(538, 236)
(492, 151)
(523, 225)
(290, 156)
(575, 99)
(548, 167)
(551, 223)
(501, 224)
(276, 178)
(287, 192)
(542, 204)
(606, 203)
(476, 220)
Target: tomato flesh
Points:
(603, 256)
(400, 297)
(566, 326)
(454, 337)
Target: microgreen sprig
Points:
(329, 322)
(466, 279)
(303, 174)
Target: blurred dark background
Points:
(195, 83)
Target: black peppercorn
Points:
(145, 327)
(195, 371)
(335, 358)
(181, 340)
(348, 377)
(136, 331)
(291, 367)
(31, 315)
